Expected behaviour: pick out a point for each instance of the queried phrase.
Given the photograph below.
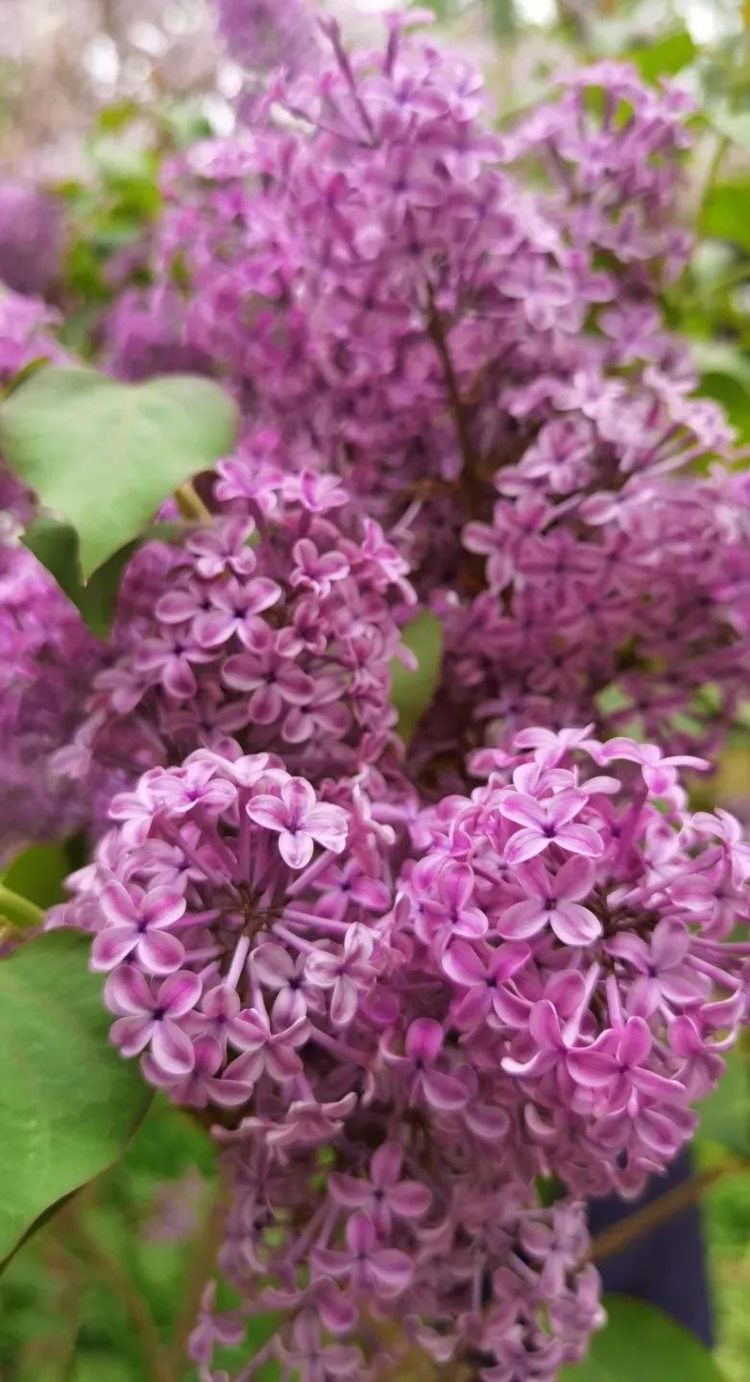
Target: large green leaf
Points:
(724, 212)
(68, 1103)
(641, 1344)
(105, 455)
(412, 689)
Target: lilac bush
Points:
(410, 987)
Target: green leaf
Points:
(725, 1114)
(640, 1342)
(68, 1103)
(55, 545)
(117, 116)
(665, 56)
(413, 689)
(105, 455)
(38, 873)
(724, 214)
(725, 376)
(715, 357)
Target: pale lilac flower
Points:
(385, 1194)
(484, 973)
(152, 1020)
(300, 821)
(367, 1267)
(548, 822)
(553, 900)
(423, 1045)
(346, 973)
(139, 925)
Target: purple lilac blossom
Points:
(425, 301)
(536, 978)
(403, 986)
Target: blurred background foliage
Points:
(93, 95)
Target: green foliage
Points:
(55, 545)
(664, 56)
(63, 1304)
(726, 212)
(412, 689)
(68, 1103)
(105, 455)
(640, 1342)
(725, 1115)
(38, 874)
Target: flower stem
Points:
(19, 910)
(191, 505)
(458, 408)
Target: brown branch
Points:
(652, 1215)
(472, 488)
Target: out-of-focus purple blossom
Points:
(31, 238)
(47, 661)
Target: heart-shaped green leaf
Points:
(642, 1342)
(105, 455)
(68, 1102)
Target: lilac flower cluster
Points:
(400, 998)
(431, 1007)
(488, 366)
(276, 624)
(47, 659)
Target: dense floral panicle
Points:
(26, 333)
(584, 918)
(31, 238)
(256, 966)
(378, 276)
(388, 257)
(536, 978)
(458, 1256)
(607, 148)
(398, 996)
(276, 624)
(211, 903)
(47, 659)
(634, 607)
